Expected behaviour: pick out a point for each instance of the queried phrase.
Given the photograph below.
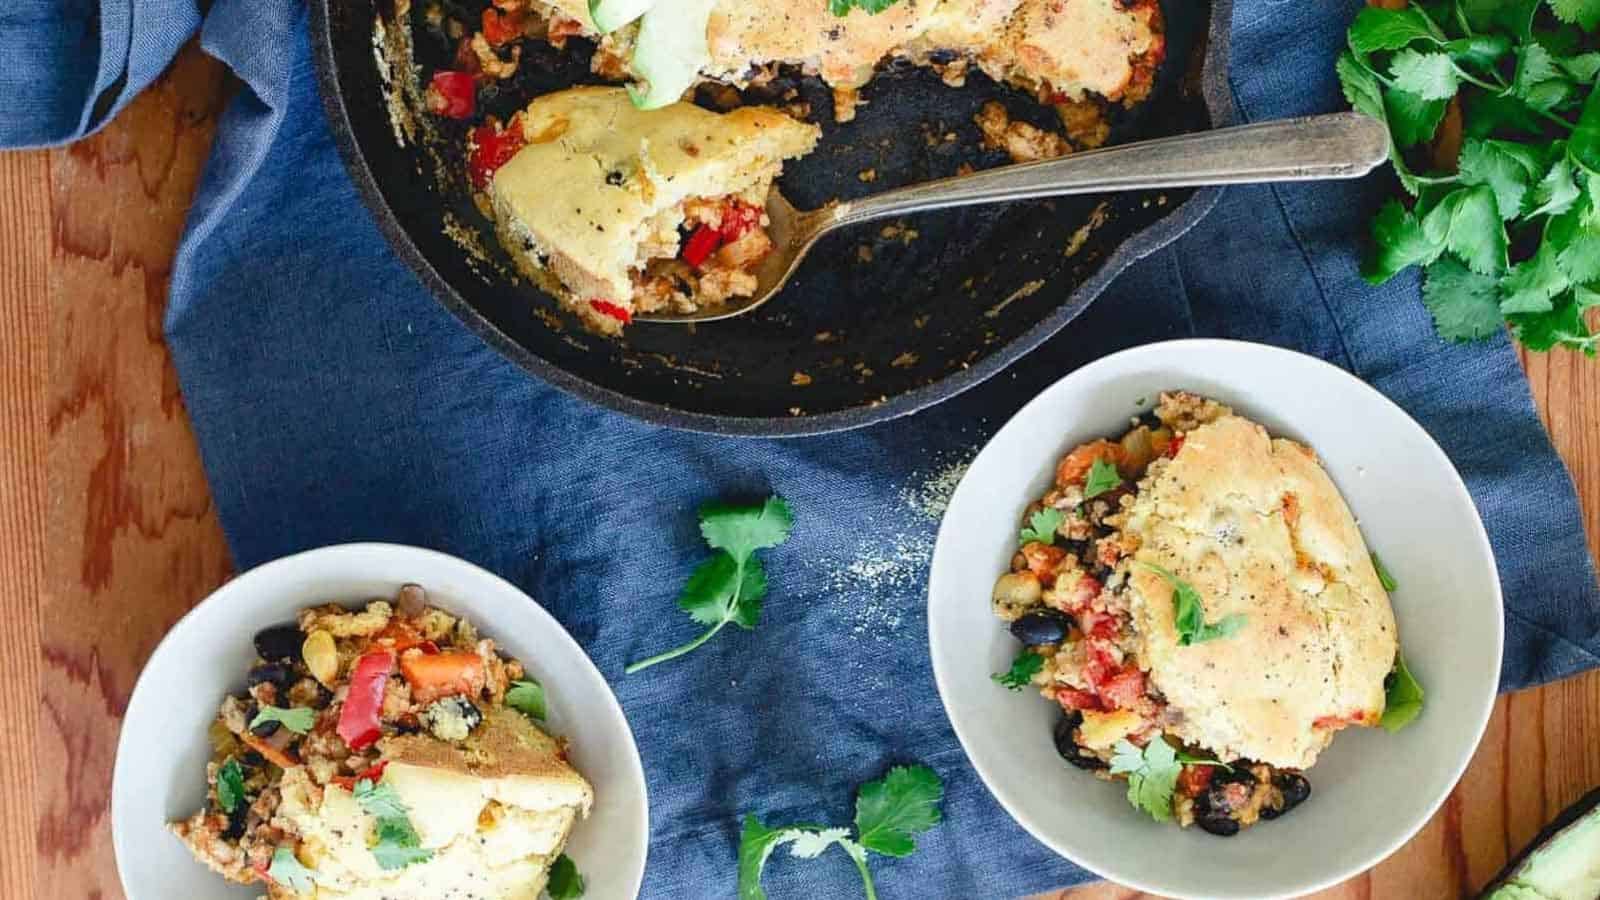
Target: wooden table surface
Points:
(101, 463)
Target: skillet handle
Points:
(1338, 145)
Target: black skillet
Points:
(877, 323)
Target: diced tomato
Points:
(1124, 689)
(372, 774)
(560, 28)
(1043, 560)
(1084, 592)
(360, 719)
(1097, 624)
(1101, 664)
(1071, 699)
(738, 218)
(1075, 466)
(1175, 445)
(607, 308)
(491, 149)
(500, 28)
(1193, 780)
(443, 675)
(452, 95)
(701, 245)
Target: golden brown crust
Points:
(1257, 527)
(506, 745)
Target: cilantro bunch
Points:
(890, 813)
(729, 586)
(1508, 229)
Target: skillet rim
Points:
(1215, 95)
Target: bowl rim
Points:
(1127, 875)
(1215, 95)
(177, 635)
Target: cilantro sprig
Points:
(230, 785)
(397, 844)
(1402, 697)
(1509, 230)
(1020, 675)
(890, 813)
(565, 882)
(870, 7)
(1042, 526)
(1153, 773)
(527, 697)
(1189, 612)
(1103, 476)
(298, 719)
(729, 586)
(287, 870)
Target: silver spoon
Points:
(1339, 145)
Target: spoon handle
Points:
(1338, 145)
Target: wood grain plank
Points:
(132, 538)
(24, 220)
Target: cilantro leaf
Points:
(742, 530)
(1376, 28)
(1042, 526)
(1538, 82)
(1384, 578)
(870, 7)
(1583, 13)
(1577, 234)
(1557, 190)
(1402, 700)
(756, 843)
(1020, 675)
(1431, 76)
(1508, 168)
(288, 871)
(811, 844)
(1152, 775)
(298, 720)
(397, 844)
(1479, 49)
(1412, 120)
(1563, 326)
(1189, 614)
(565, 882)
(1103, 476)
(1583, 68)
(893, 810)
(230, 785)
(1465, 305)
(1399, 243)
(1362, 90)
(1467, 222)
(1583, 147)
(1532, 282)
(527, 697)
(730, 585)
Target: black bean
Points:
(275, 673)
(1294, 787)
(1044, 627)
(1218, 799)
(265, 729)
(1219, 825)
(279, 642)
(237, 821)
(1068, 746)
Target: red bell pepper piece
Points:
(1071, 699)
(372, 774)
(1175, 445)
(1123, 690)
(1193, 780)
(607, 308)
(452, 95)
(738, 218)
(360, 720)
(500, 28)
(701, 245)
(492, 149)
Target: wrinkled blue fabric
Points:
(334, 400)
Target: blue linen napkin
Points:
(334, 400)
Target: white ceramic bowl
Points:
(163, 749)
(1371, 791)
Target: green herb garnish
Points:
(870, 7)
(1189, 613)
(1023, 668)
(1103, 476)
(729, 586)
(1153, 773)
(527, 697)
(287, 870)
(565, 881)
(397, 844)
(230, 785)
(890, 813)
(1402, 700)
(1512, 233)
(1384, 578)
(1042, 526)
(298, 720)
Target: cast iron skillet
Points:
(878, 323)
